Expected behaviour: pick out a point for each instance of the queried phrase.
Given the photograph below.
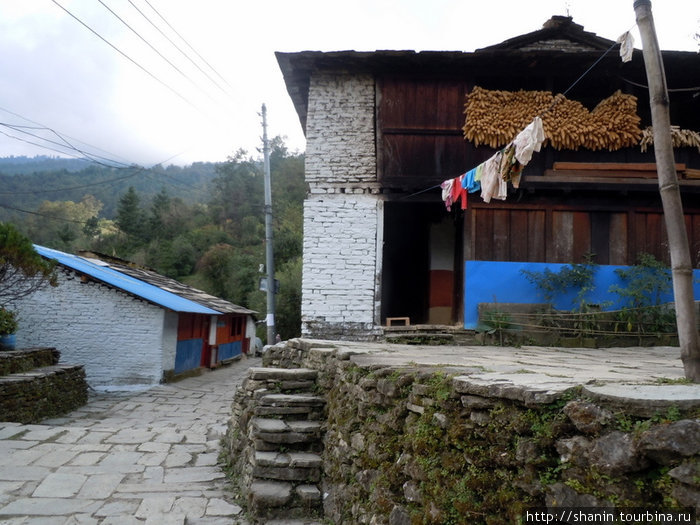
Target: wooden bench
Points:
(405, 321)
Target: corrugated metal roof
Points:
(111, 275)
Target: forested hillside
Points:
(26, 183)
(201, 224)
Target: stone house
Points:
(385, 128)
(130, 327)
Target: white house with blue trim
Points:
(129, 326)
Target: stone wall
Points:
(33, 386)
(340, 141)
(340, 266)
(18, 361)
(117, 337)
(421, 445)
(343, 209)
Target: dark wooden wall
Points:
(554, 233)
(419, 129)
(420, 144)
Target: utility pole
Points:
(682, 269)
(269, 256)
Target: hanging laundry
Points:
(447, 193)
(458, 192)
(529, 140)
(510, 168)
(470, 181)
(493, 186)
(626, 41)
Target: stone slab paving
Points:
(651, 377)
(139, 458)
(151, 457)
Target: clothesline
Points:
(492, 176)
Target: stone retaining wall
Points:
(33, 386)
(17, 361)
(419, 445)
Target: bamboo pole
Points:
(681, 266)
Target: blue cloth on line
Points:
(469, 181)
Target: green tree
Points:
(160, 207)
(130, 217)
(22, 270)
(61, 224)
(237, 192)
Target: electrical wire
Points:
(69, 188)
(178, 47)
(186, 42)
(122, 53)
(154, 49)
(64, 143)
(64, 137)
(44, 215)
(676, 90)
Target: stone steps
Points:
(284, 443)
(290, 406)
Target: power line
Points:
(153, 48)
(178, 47)
(142, 68)
(70, 188)
(186, 42)
(42, 145)
(52, 217)
(62, 136)
(64, 143)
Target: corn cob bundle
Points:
(494, 118)
(680, 138)
(565, 123)
(614, 123)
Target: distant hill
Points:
(26, 182)
(23, 165)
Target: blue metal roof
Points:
(102, 272)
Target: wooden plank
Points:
(581, 241)
(610, 166)
(483, 245)
(563, 237)
(557, 177)
(600, 236)
(618, 239)
(587, 174)
(536, 234)
(518, 235)
(501, 235)
(654, 236)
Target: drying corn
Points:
(680, 138)
(495, 117)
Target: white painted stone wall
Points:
(168, 346)
(119, 339)
(338, 284)
(340, 138)
(343, 210)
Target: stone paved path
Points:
(144, 458)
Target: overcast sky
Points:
(123, 101)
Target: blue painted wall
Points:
(503, 282)
(188, 355)
(229, 350)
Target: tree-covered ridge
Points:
(28, 190)
(211, 235)
(20, 165)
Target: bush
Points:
(8, 322)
